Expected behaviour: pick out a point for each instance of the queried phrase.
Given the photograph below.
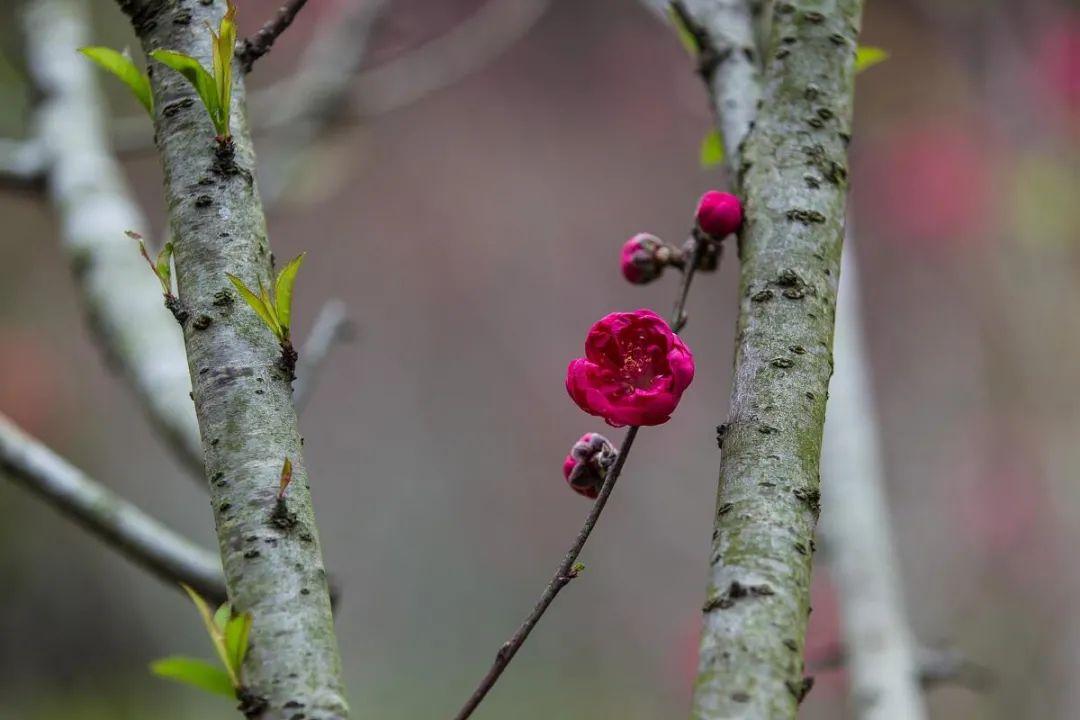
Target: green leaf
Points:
(686, 36)
(236, 641)
(256, 303)
(200, 79)
(712, 149)
(283, 291)
(867, 56)
(223, 47)
(264, 295)
(122, 67)
(197, 673)
(222, 616)
(163, 269)
(216, 635)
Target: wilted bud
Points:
(643, 258)
(587, 465)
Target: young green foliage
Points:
(867, 56)
(213, 88)
(286, 478)
(682, 29)
(229, 634)
(275, 311)
(121, 65)
(161, 267)
(712, 149)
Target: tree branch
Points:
(118, 523)
(855, 529)
(566, 570)
(300, 109)
(121, 296)
(22, 163)
(331, 326)
(259, 44)
(792, 174)
(241, 385)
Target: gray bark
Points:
(855, 528)
(121, 296)
(243, 396)
(792, 177)
(118, 523)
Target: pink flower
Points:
(587, 465)
(719, 214)
(639, 261)
(634, 371)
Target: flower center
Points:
(637, 371)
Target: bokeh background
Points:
(474, 235)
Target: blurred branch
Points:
(242, 385)
(467, 47)
(934, 667)
(121, 296)
(728, 64)
(788, 161)
(254, 47)
(567, 569)
(330, 88)
(331, 327)
(118, 523)
(855, 528)
(299, 110)
(22, 163)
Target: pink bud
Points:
(639, 260)
(587, 465)
(719, 214)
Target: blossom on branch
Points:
(634, 371)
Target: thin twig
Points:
(260, 43)
(331, 327)
(566, 570)
(118, 523)
(935, 666)
(563, 575)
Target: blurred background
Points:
(474, 235)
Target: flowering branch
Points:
(118, 523)
(259, 44)
(720, 223)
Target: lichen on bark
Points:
(792, 174)
(243, 397)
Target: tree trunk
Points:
(243, 394)
(793, 177)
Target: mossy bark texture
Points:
(792, 175)
(243, 396)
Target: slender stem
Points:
(260, 43)
(118, 523)
(566, 572)
(563, 575)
